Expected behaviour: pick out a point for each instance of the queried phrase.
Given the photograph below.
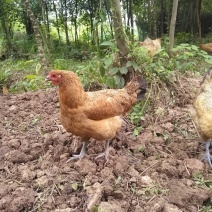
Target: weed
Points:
(206, 209)
(200, 181)
(136, 116)
(74, 186)
(149, 191)
(139, 149)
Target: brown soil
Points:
(159, 171)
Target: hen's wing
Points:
(108, 103)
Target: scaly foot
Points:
(207, 156)
(105, 153)
(81, 155)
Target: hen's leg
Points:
(81, 154)
(105, 153)
(207, 155)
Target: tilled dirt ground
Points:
(159, 171)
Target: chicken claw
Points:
(81, 155)
(207, 155)
(105, 153)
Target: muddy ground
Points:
(159, 171)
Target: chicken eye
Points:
(54, 75)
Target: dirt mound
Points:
(158, 171)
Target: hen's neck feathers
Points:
(71, 91)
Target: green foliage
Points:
(206, 209)
(61, 64)
(21, 75)
(136, 116)
(200, 181)
(185, 57)
(114, 73)
(74, 186)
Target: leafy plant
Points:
(32, 81)
(200, 181)
(136, 116)
(74, 186)
(206, 209)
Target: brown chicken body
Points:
(93, 114)
(207, 47)
(202, 113)
(151, 45)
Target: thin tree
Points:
(172, 26)
(120, 38)
(44, 62)
(57, 22)
(198, 9)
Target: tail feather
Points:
(137, 85)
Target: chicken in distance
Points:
(94, 114)
(202, 114)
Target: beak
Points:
(48, 78)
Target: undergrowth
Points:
(24, 75)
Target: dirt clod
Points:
(159, 171)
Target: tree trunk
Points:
(109, 18)
(57, 22)
(198, 9)
(44, 62)
(66, 24)
(44, 33)
(47, 20)
(28, 25)
(161, 19)
(132, 21)
(10, 49)
(90, 5)
(120, 38)
(75, 23)
(7, 37)
(172, 26)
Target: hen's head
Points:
(54, 77)
(63, 78)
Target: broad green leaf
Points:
(133, 64)
(119, 80)
(74, 186)
(194, 47)
(108, 61)
(30, 76)
(129, 63)
(123, 70)
(208, 61)
(113, 70)
(110, 82)
(102, 70)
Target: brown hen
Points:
(151, 45)
(94, 114)
(207, 47)
(202, 113)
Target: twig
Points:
(9, 180)
(196, 128)
(7, 170)
(53, 186)
(58, 126)
(149, 167)
(152, 198)
(187, 169)
(57, 189)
